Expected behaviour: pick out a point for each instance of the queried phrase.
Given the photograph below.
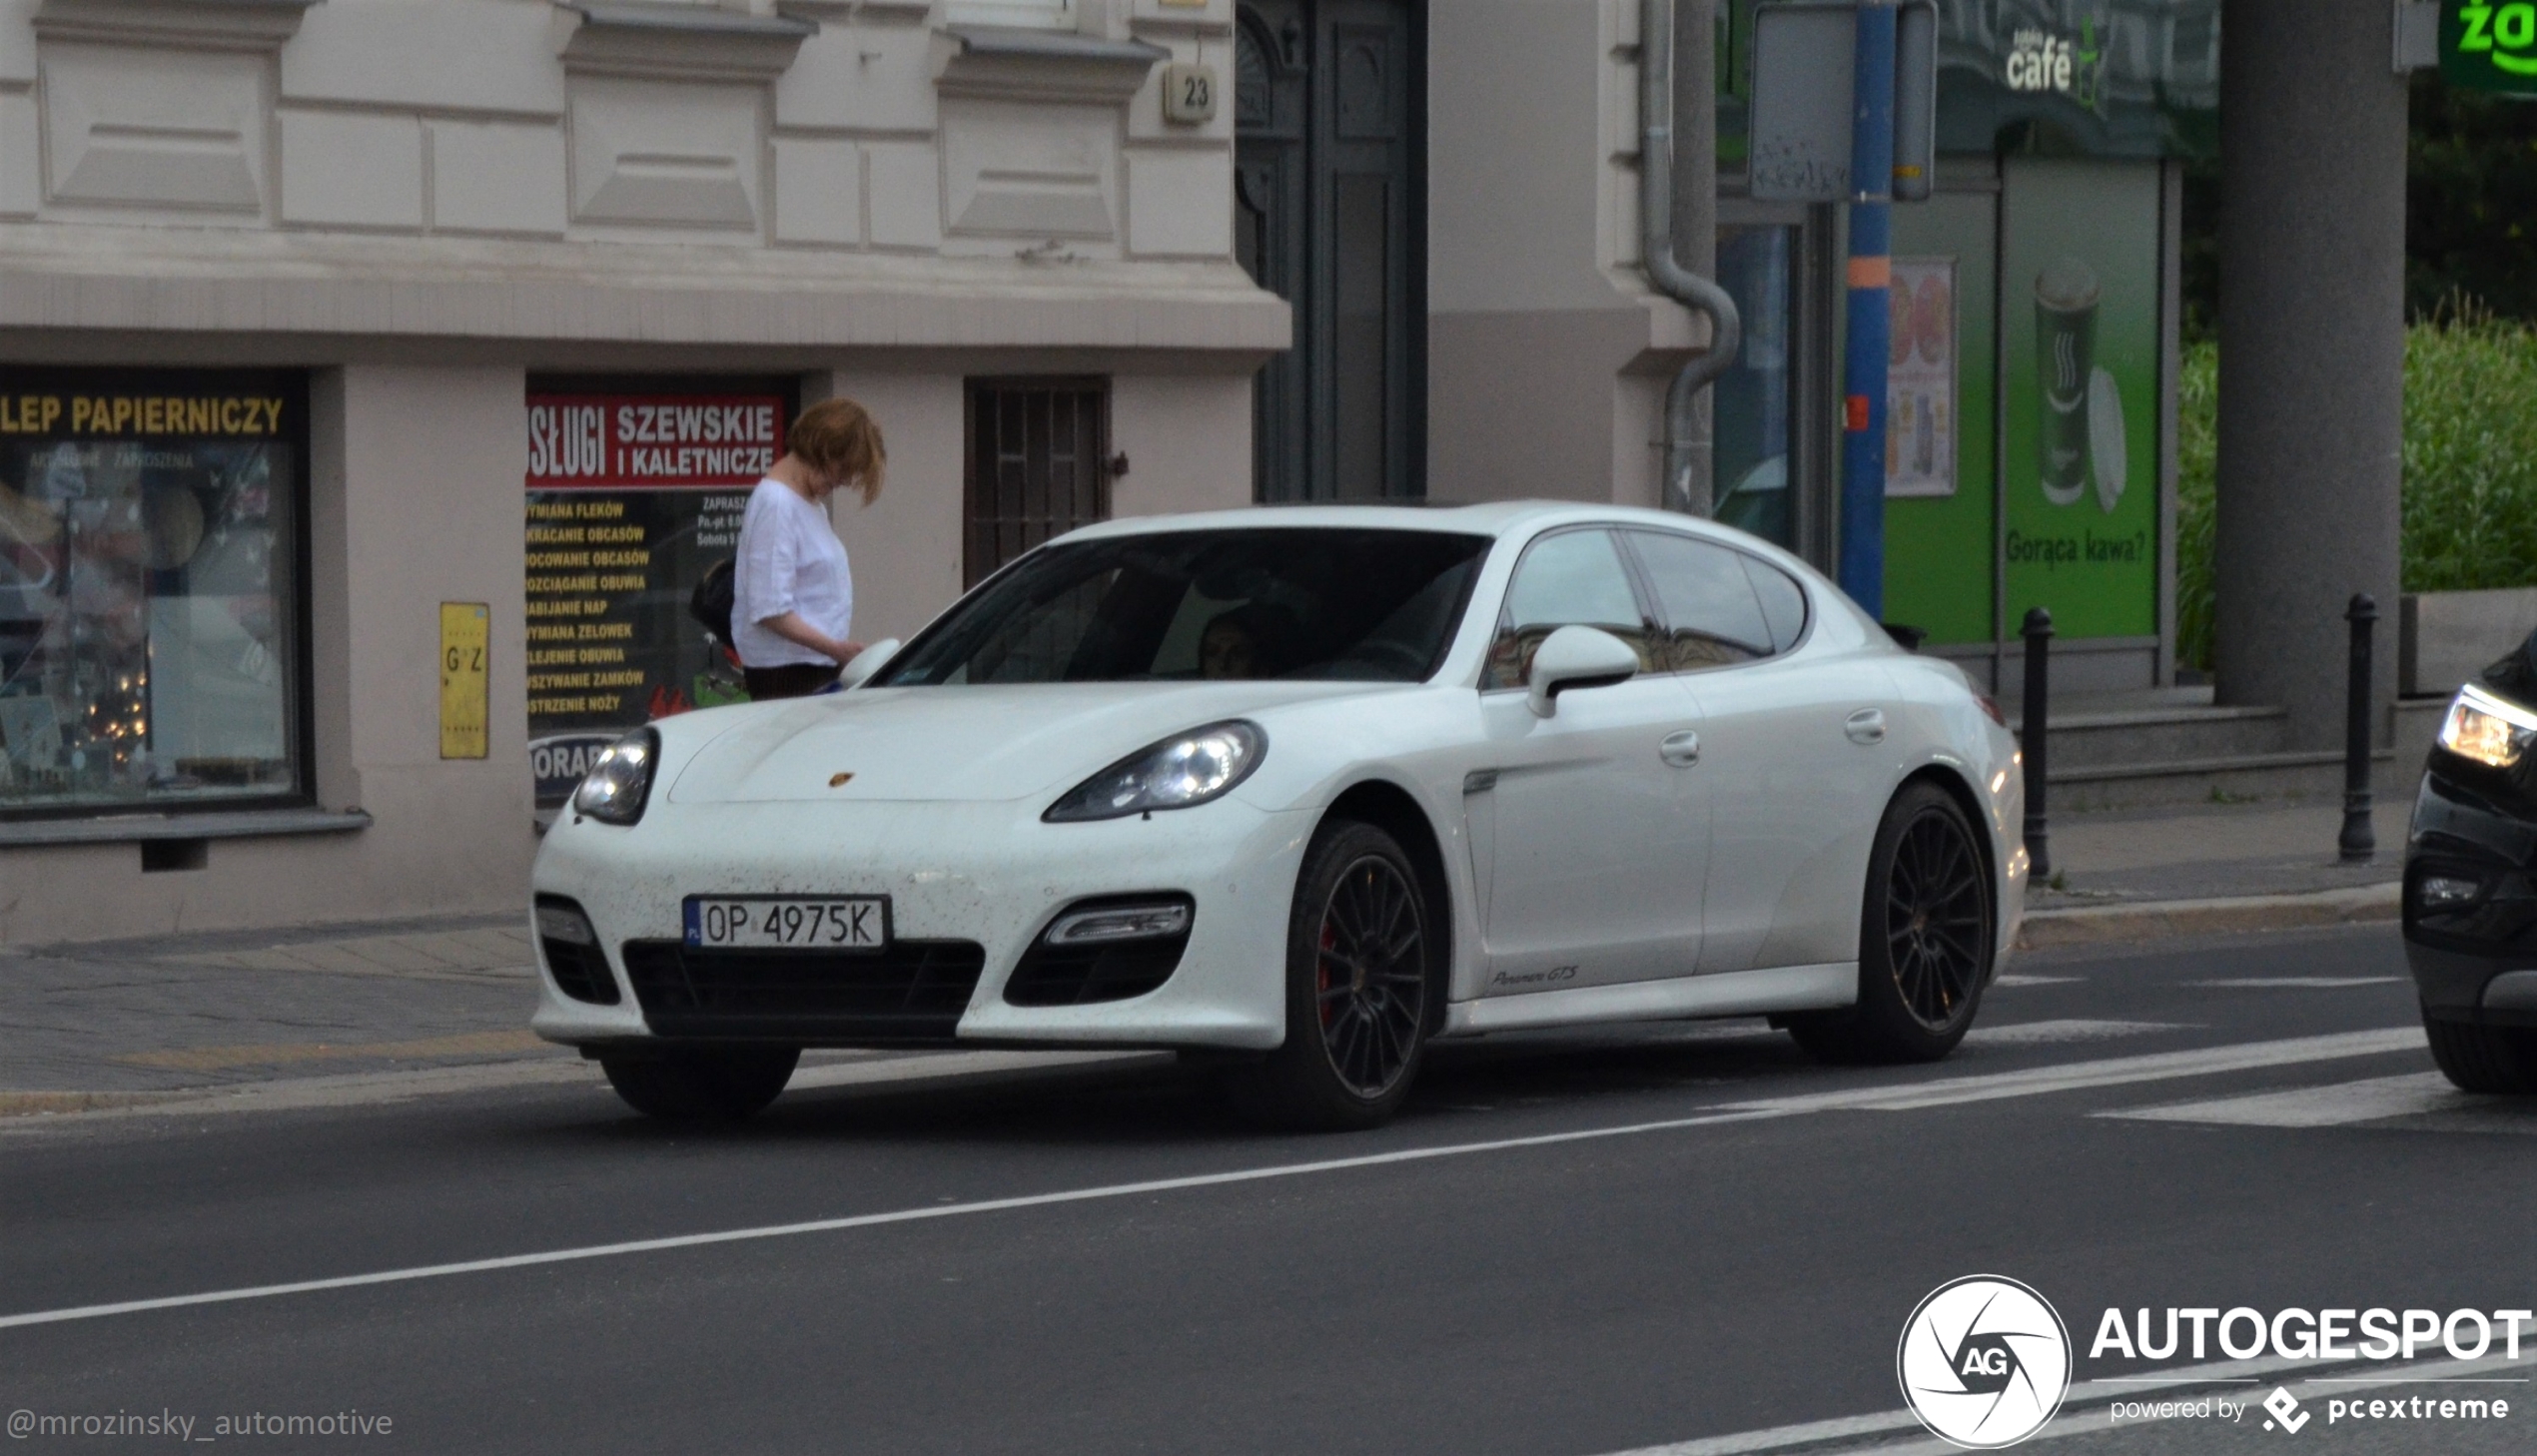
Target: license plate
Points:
(788, 921)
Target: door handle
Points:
(1682, 750)
(1866, 726)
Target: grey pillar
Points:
(2312, 386)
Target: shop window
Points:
(150, 590)
(1038, 452)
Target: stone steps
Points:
(2174, 747)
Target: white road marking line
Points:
(871, 1221)
(2087, 1409)
(2045, 1034)
(2293, 983)
(2326, 1107)
(1942, 1092)
(2014, 981)
(2155, 1066)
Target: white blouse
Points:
(790, 561)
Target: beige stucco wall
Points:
(1548, 353)
(423, 202)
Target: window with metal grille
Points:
(1038, 452)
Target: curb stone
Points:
(2096, 925)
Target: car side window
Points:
(1783, 601)
(1570, 579)
(1712, 616)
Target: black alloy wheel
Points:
(1925, 938)
(1359, 967)
(1371, 974)
(1937, 917)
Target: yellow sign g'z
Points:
(466, 709)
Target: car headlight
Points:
(620, 781)
(2486, 729)
(1181, 771)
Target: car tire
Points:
(2484, 1059)
(1927, 937)
(702, 1086)
(1361, 942)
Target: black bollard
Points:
(2039, 645)
(2357, 840)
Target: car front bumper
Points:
(985, 873)
(2473, 960)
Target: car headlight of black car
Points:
(2488, 730)
(1181, 772)
(620, 783)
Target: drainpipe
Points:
(1687, 485)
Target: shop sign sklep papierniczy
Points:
(2486, 46)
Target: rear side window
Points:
(1783, 601)
(1712, 614)
(1574, 578)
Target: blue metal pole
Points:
(1871, 325)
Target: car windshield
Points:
(1271, 602)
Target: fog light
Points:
(562, 923)
(1160, 920)
(2440, 892)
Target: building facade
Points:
(377, 377)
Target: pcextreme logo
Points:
(1983, 1362)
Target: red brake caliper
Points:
(1321, 966)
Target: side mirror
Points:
(869, 661)
(1578, 657)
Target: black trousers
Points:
(793, 680)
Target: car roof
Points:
(1487, 518)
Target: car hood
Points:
(959, 744)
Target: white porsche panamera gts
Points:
(1302, 789)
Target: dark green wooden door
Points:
(1331, 219)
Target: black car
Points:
(2471, 883)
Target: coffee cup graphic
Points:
(2065, 366)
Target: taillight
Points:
(1992, 709)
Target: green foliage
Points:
(2470, 463)
(2470, 453)
(2196, 468)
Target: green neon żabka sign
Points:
(2491, 45)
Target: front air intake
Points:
(574, 961)
(1104, 950)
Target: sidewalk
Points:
(95, 1023)
(407, 1009)
(2269, 864)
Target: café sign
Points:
(2486, 46)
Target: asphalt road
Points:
(1569, 1244)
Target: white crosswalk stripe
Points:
(2046, 1033)
(2293, 983)
(2426, 1096)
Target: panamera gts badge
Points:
(838, 781)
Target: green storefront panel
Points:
(2078, 296)
(1938, 546)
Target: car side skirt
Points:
(1725, 994)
